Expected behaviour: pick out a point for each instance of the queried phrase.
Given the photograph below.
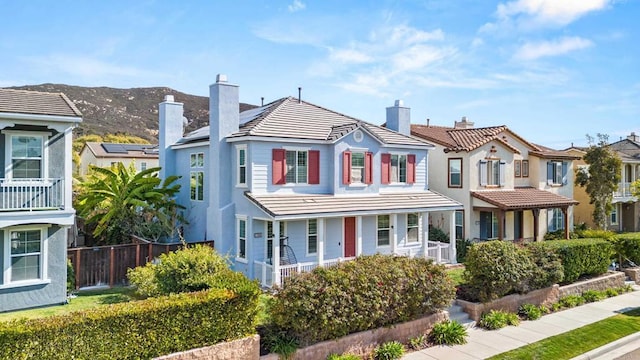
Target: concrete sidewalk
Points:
(482, 344)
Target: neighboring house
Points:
(35, 196)
(325, 186)
(511, 189)
(625, 215)
(106, 154)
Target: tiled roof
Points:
(113, 150)
(37, 103)
(290, 118)
(457, 139)
(523, 198)
(320, 205)
(548, 153)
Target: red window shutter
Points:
(278, 166)
(368, 168)
(314, 167)
(386, 168)
(346, 167)
(411, 168)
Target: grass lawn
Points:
(84, 300)
(578, 341)
(456, 275)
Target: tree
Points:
(602, 178)
(121, 202)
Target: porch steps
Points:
(456, 313)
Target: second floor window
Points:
(557, 173)
(196, 179)
(143, 166)
(492, 172)
(26, 156)
(295, 166)
(357, 167)
(455, 173)
(398, 169)
(242, 165)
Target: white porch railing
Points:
(438, 251)
(31, 194)
(624, 190)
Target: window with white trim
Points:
(614, 215)
(455, 172)
(556, 172)
(413, 232)
(357, 167)
(25, 254)
(297, 165)
(459, 224)
(555, 219)
(143, 166)
(312, 236)
(242, 165)
(196, 178)
(384, 230)
(398, 168)
(270, 236)
(493, 172)
(26, 156)
(241, 245)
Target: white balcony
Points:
(31, 194)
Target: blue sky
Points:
(551, 70)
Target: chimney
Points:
(224, 120)
(463, 124)
(633, 137)
(171, 126)
(399, 118)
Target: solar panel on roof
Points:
(114, 148)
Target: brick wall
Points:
(246, 348)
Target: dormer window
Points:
(357, 167)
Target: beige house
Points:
(511, 189)
(106, 154)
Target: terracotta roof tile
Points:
(37, 103)
(523, 198)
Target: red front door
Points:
(349, 237)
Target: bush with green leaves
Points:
(389, 351)
(570, 301)
(531, 311)
(593, 295)
(497, 319)
(437, 234)
(547, 270)
(138, 329)
(496, 268)
(418, 342)
(343, 357)
(582, 257)
(366, 293)
(627, 247)
(280, 342)
(185, 270)
(596, 234)
(462, 247)
(71, 277)
(448, 332)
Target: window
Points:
(26, 253)
(242, 165)
(614, 215)
(555, 219)
(556, 173)
(398, 168)
(384, 227)
(196, 180)
(455, 173)
(357, 168)
(296, 167)
(270, 238)
(241, 246)
(459, 224)
(488, 225)
(517, 168)
(312, 236)
(143, 166)
(26, 156)
(525, 168)
(492, 172)
(413, 232)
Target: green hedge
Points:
(627, 246)
(366, 293)
(580, 257)
(136, 330)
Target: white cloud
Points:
(84, 66)
(533, 51)
(419, 56)
(349, 56)
(297, 5)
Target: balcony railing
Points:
(31, 194)
(624, 190)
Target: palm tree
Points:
(117, 200)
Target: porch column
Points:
(68, 169)
(358, 235)
(566, 221)
(536, 223)
(424, 229)
(394, 233)
(320, 235)
(276, 254)
(500, 224)
(452, 239)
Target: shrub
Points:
(71, 277)
(581, 257)
(593, 295)
(570, 301)
(281, 343)
(448, 332)
(496, 268)
(627, 247)
(462, 247)
(554, 235)
(437, 234)
(136, 330)
(596, 234)
(530, 311)
(389, 351)
(497, 319)
(343, 357)
(418, 342)
(556, 307)
(366, 293)
(547, 270)
(185, 270)
(611, 292)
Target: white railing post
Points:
(264, 274)
(424, 230)
(277, 276)
(394, 233)
(358, 235)
(452, 239)
(320, 234)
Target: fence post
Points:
(78, 257)
(137, 254)
(150, 257)
(112, 260)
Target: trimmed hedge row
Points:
(628, 247)
(579, 257)
(136, 330)
(366, 293)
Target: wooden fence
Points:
(107, 265)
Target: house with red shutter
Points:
(290, 186)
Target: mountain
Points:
(130, 111)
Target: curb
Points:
(596, 353)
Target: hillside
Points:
(131, 111)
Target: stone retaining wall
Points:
(607, 281)
(246, 348)
(401, 332)
(633, 274)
